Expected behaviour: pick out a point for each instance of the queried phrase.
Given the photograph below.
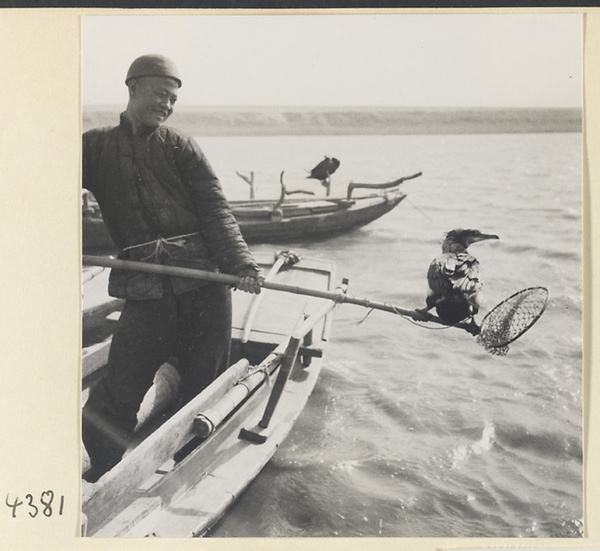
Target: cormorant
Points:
(454, 278)
(324, 170)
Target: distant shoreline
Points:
(296, 121)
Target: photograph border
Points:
(40, 158)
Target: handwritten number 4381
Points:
(44, 507)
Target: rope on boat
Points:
(409, 319)
(256, 369)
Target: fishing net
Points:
(507, 321)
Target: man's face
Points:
(152, 100)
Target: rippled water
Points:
(414, 431)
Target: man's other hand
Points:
(251, 280)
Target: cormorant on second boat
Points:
(454, 278)
(324, 170)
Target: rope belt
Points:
(160, 245)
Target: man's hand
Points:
(251, 280)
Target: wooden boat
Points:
(189, 467)
(284, 220)
(308, 218)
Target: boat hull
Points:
(262, 222)
(315, 225)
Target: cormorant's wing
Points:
(324, 169)
(451, 272)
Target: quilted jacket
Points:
(153, 189)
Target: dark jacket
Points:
(155, 186)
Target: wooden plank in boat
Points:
(101, 498)
(197, 493)
(274, 314)
(308, 208)
(263, 213)
(330, 206)
(94, 357)
(97, 304)
(95, 315)
(292, 209)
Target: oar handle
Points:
(227, 279)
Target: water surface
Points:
(415, 431)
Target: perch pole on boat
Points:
(227, 279)
(355, 185)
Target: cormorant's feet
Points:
(473, 328)
(422, 314)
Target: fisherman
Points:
(454, 282)
(162, 203)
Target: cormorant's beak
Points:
(483, 237)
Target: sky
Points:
(403, 60)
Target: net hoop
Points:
(511, 318)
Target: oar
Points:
(282, 259)
(227, 279)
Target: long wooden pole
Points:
(227, 279)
